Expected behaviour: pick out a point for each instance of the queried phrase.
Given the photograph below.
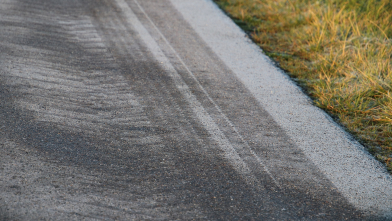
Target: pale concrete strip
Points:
(205, 119)
(357, 175)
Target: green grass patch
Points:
(339, 50)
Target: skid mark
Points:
(230, 153)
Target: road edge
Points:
(362, 180)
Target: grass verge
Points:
(339, 51)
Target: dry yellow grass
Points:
(339, 51)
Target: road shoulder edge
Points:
(357, 175)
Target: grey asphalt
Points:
(120, 110)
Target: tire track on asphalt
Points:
(217, 135)
(244, 151)
(298, 175)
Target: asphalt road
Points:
(118, 110)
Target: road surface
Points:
(122, 110)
